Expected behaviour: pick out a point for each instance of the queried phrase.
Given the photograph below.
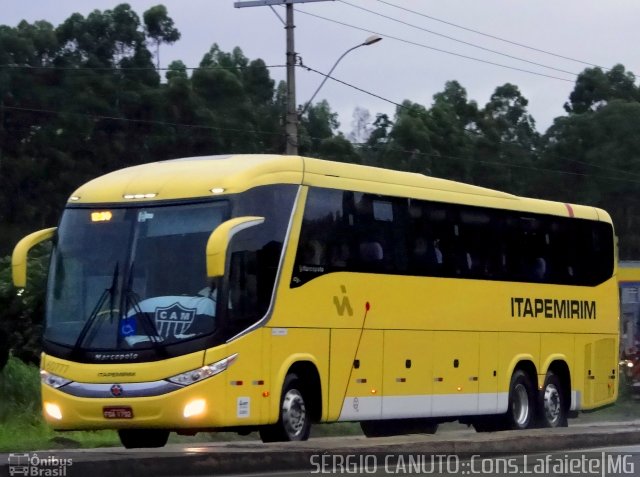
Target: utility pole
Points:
(291, 128)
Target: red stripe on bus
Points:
(570, 209)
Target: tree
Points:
(21, 325)
(410, 145)
(454, 126)
(160, 28)
(595, 88)
(317, 124)
(361, 125)
(600, 153)
(507, 142)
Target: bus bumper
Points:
(192, 407)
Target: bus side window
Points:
(424, 256)
(319, 247)
(371, 256)
(313, 252)
(340, 255)
(539, 269)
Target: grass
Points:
(23, 428)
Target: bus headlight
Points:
(194, 408)
(53, 410)
(195, 375)
(53, 380)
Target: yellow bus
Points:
(263, 292)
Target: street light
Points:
(369, 41)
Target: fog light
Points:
(195, 407)
(53, 410)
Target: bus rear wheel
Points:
(552, 402)
(141, 438)
(294, 422)
(522, 402)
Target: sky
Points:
(406, 64)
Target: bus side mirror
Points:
(219, 241)
(20, 252)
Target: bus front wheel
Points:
(552, 404)
(522, 402)
(141, 438)
(294, 422)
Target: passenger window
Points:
(360, 232)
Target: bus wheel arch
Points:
(309, 376)
(300, 404)
(554, 399)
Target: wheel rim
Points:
(294, 413)
(520, 406)
(552, 404)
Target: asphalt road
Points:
(453, 452)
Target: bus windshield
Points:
(132, 278)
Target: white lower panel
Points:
(437, 405)
(488, 403)
(503, 403)
(576, 405)
(361, 408)
(454, 405)
(399, 407)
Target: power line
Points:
(546, 52)
(422, 45)
(457, 39)
(473, 161)
(133, 68)
(598, 166)
(140, 121)
(145, 121)
(357, 88)
(477, 133)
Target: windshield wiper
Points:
(147, 323)
(96, 310)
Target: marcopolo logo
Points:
(38, 466)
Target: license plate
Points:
(122, 412)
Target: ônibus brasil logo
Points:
(38, 466)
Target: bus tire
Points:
(143, 438)
(552, 404)
(294, 421)
(522, 402)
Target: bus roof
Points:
(196, 177)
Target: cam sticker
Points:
(243, 407)
(174, 320)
